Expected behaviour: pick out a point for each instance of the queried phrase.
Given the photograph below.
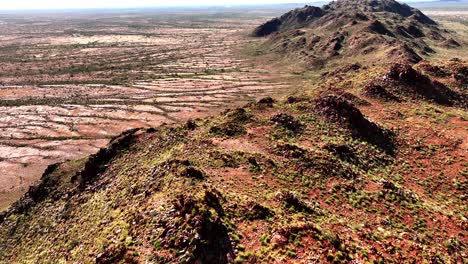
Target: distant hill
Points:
(368, 28)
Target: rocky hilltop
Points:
(372, 29)
(368, 164)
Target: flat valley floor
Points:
(71, 81)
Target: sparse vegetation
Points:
(361, 165)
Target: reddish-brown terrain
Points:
(67, 85)
(363, 160)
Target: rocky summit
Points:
(372, 29)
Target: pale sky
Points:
(64, 4)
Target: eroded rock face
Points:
(342, 112)
(293, 19)
(450, 43)
(268, 28)
(349, 28)
(402, 52)
(381, 6)
(202, 235)
(97, 163)
(404, 79)
(377, 91)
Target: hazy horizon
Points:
(108, 4)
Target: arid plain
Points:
(70, 81)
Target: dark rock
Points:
(112, 254)
(308, 163)
(414, 31)
(343, 112)
(239, 115)
(354, 99)
(420, 17)
(267, 101)
(401, 30)
(37, 193)
(294, 19)
(191, 125)
(450, 43)
(292, 201)
(253, 163)
(343, 152)
(377, 91)
(394, 192)
(207, 238)
(267, 28)
(229, 129)
(3, 216)
(292, 100)
(213, 199)
(377, 27)
(433, 70)
(257, 211)
(414, 84)
(403, 52)
(288, 122)
(291, 151)
(151, 130)
(96, 163)
(192, 172)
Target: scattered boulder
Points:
(213, 199)
(292, 100)
(192, 172)
(291, 200)
(291, 151)
(191, 125)
(239, 115)
(313, 162)
(343, 152)
(459, 73)
(267, 101)
(393, 192)
(352, 67)
(288, 122)
(435, 35)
